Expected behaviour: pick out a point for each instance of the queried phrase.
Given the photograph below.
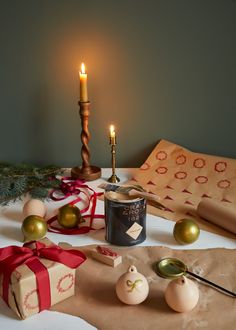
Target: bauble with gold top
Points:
(186, 231)
(33, 228)
(69, 216)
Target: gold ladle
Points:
(171, 268)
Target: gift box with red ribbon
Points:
(37, 275)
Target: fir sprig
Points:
(18, 179)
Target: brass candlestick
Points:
(86, 171)
(114, 178)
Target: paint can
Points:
(125, 219)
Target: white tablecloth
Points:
(159, 233)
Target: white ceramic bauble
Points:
(132, 287)
(182, 294)
(34, 207)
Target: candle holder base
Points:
(88, 173)
(113, 179)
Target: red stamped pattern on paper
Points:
(168, 187)
(145, 167)
(188, 202)
(161, 155)
(220, 166)
(181, 175)
(201, 179)
(181, 159)
(186, 191)
(206, 196)
(29, 300)
(223, 184)
(65, 283)
(225, 200)
(168, 197)
(199, 163)
(152, 183)
(162, 170)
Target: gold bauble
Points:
(69, 216)
(33, 228)
(186, 231)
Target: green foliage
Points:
(19, 179)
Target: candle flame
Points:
(112, 129)
(83, 68)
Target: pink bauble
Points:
(132, 287)
(182, 294)
(34, 207)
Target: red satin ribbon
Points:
(68, 188)
(13, 256)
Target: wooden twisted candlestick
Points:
(86, 172)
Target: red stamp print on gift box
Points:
(162, 170)
(65, 283)
(201, 179)
(145, 166)
(17, 275)
(29, 300)
(199, 163)
(161, 155)
(181, 159)
(220, 166)
(180, 175)
(223, 184)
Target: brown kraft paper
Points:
(183, 178)
(223, 216)
(96, 301)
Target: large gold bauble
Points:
(69, 216)
(186, 231)
(33, 228)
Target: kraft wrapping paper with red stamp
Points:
(97, 303)
(23, 291)
(183, 178)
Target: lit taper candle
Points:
(113, 177)
(112, 135)
(83, 84)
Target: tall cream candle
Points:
(83, 84)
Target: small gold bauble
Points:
(69, 216)
(33, 228)
(186, 231)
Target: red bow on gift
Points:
(13, 256)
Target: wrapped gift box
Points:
(30, 291)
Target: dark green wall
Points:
(157, 69)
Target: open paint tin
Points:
(125, 219)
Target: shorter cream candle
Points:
(83, 84)
(112, 135)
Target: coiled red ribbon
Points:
(70, 187)
(13, 256)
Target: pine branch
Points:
(19, 179)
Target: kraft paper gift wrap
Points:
(96, 301)
(23, 296)
(183, 178)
